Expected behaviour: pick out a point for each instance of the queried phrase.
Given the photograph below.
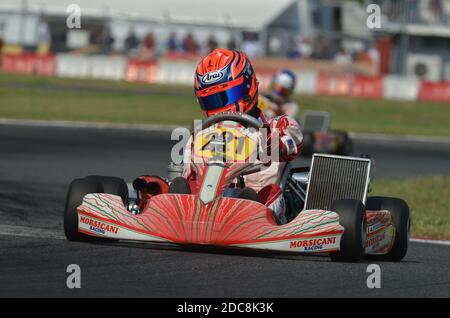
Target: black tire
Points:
(346, 146)
(308, 144)
(400, 213)
(179, 185)
(248, 194)
(352, 216)
(77, 190)
(112, 185)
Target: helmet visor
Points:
(226, 97)
(280, 91)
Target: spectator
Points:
(437, 10)
(343, 57)
(172, 45)
(189, 44)
(374, 54)
(305, 47)
(364, 57)
(131, 43)
(251, 45)
(293, 51)
(149, 41)
(148, 49)
(106, 41)
(231, 45)
(321, 48)
(211, 44)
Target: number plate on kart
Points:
(226, 143)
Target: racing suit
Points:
(267, 181)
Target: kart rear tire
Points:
(179, 185)
(402, 221)
(112, 185)
(308, 144)
(352, 216)
(77, 190)
(346, 146)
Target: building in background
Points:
(420, 33)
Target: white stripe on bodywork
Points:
(211, 182)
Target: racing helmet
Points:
(283, 84)
(225, 82)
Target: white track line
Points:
(26, 231)
(435, 242)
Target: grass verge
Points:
(429, 202)
(34, 97)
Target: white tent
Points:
(249, 14)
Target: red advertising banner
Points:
(29, 63)
(334, 85)
(434, 91)
(141, 71)
(367, 87)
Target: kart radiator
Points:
(335, 177)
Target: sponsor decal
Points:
(374, 241)
(374, 227)
(313, 244)
(212, 77)
(99, 227)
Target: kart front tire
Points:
(402, 221)
(111, 185)
(352, 216)
(77, 190)
(179, 185)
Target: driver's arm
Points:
(290, 136)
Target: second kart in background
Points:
(318, 137)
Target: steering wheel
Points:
(244, 119)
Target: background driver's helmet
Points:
(225, 81)
(283, 84)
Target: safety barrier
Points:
(367, 87)
(141, 71)
(92, 66)
(434, 92)
(398, 87)
(180, 72)
(28, 63)
(175, 72)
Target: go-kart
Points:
(327, 206)
(319, 138)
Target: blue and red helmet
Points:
(225, 82)
(283, 84)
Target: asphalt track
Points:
(37, 164)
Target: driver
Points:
(278, 100)
(225, 82)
